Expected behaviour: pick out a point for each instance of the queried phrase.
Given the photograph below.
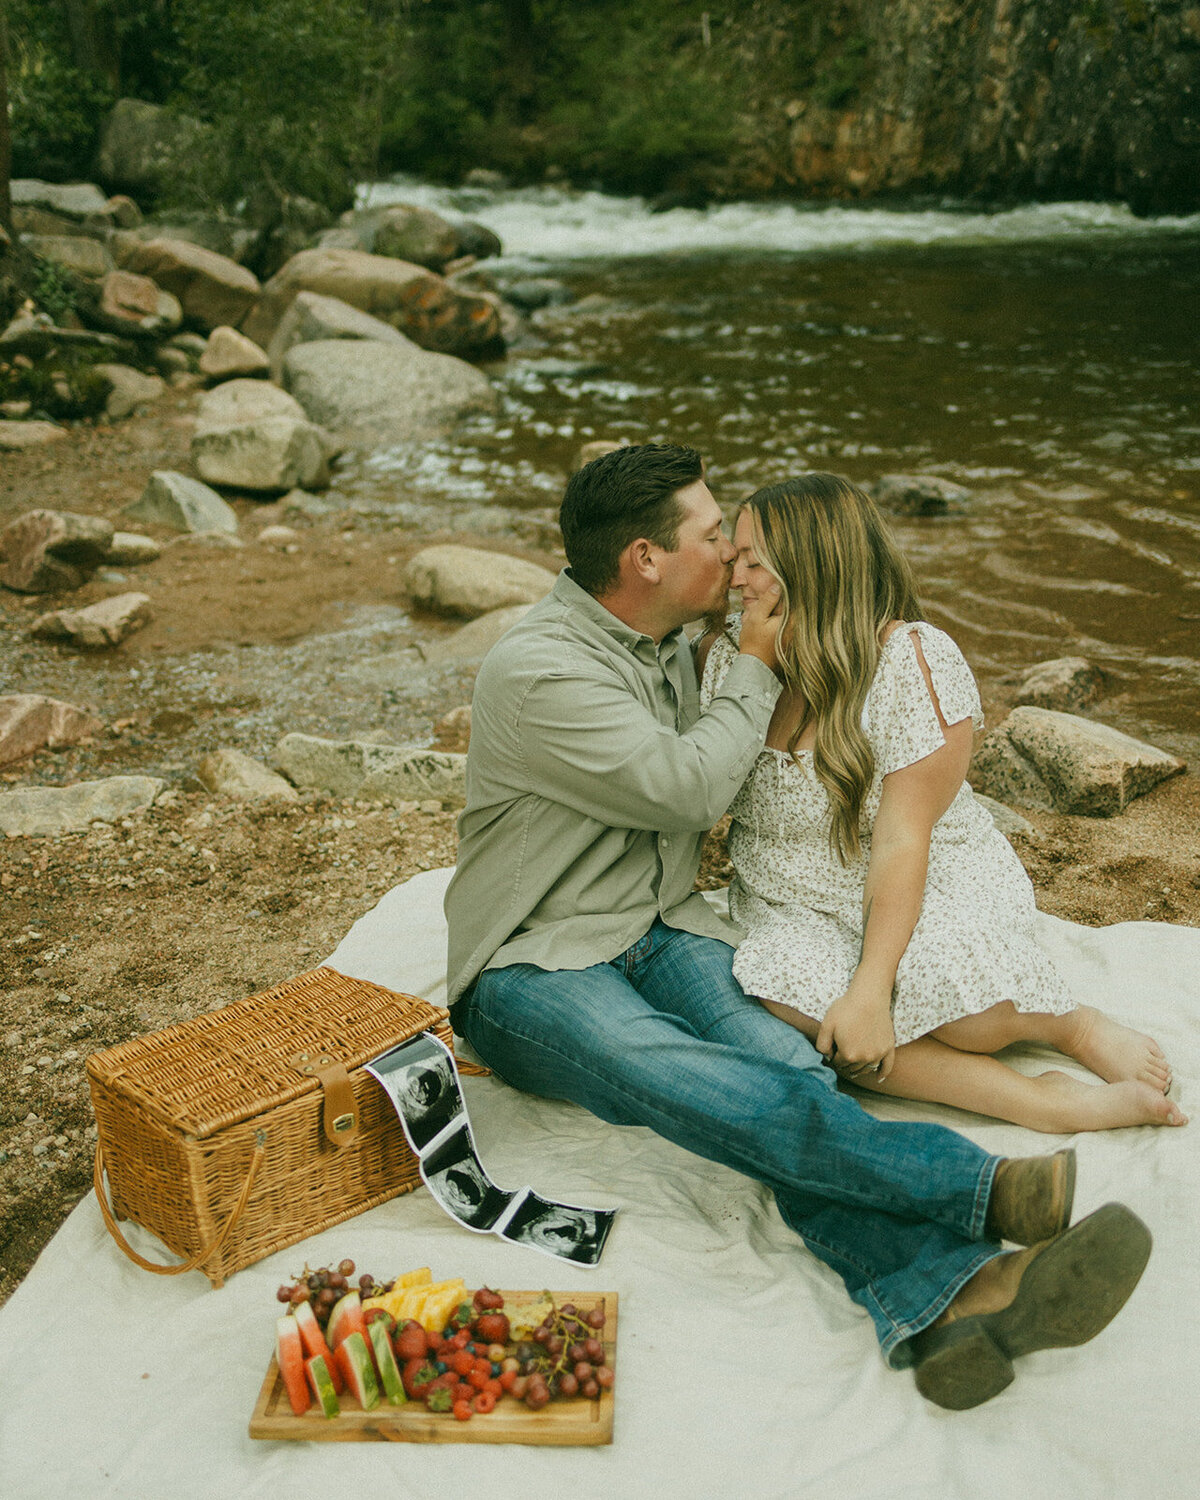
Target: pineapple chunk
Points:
(408, 1291)
(440, 1301)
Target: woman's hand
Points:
(857, 1035)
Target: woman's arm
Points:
(858, 1024)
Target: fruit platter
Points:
(414, 1360)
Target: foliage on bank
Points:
(678, 98)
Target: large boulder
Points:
(71, 200)
(467, 581)
(233, 773)
(1066, 683)
(250, 435)
(919, 495)
(313, 317)
(143, 147)
(30, 722)
(46, 551)
(229, 355)
(97, 626)
(15, 437)
(39, 811)
(136, 305)
(407, 232)
(73, 252)
(183, 504)
(1041, 758)
(211, 288)
(128, 390)
(373, 393)
(416, 301)
(359, 768)
(474, 640)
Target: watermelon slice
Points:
(314, 1342)
(289, 1351)
(346, 1318)
(320, 1377)
(385, 1361)
(355, 1359)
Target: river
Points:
(1045, 357)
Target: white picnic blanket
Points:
(742, 1367)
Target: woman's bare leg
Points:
(1112, 1051)
(930, 1070)
(1052, 1102)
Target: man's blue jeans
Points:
(663, 1036)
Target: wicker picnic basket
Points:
(240, 1132)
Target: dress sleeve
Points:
(902, 722)
(721, 655)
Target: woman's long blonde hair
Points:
(842, 580)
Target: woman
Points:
(885, 915)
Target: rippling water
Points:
(1045, 357)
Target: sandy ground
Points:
(197, 903)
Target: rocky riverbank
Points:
(281, 624)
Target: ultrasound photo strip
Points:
(421, 1079)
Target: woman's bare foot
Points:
(1114, 1052)
(1070, 1105)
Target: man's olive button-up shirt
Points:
(592, 778)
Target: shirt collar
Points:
(568, 593)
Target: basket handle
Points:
(200, 1256)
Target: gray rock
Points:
(183, 504)
(144, 147)
(46, 551)
(129, 549)
(301, 503)
(1066, 683)
(29, 722)
(419, 235)
(33, 812)
(536, 291)
(15, 437)
(231, 773)
(130, 389)
(97, 626)
(212, 289)
(230, 354)
(357, 768)
(474, 641)
(918, 494)
(372, 393)
(135, 305)
(251, 435)
(1045, 759)
(1009, 823)
(421, 304)
(74, 200)
(596, 449)
(312, 317)
(86, 257)
(470, 582)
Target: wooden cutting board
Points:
(563, 1423)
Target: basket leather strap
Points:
(200, 1256)
(339, 1115)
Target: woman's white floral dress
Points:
(801, 909)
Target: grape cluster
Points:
(325, 1286)
(564, 1358)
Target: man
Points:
(583, 966)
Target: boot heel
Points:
(960, 1365)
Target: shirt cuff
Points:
(751, 679)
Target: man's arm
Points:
(585, 741)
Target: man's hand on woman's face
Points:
(761, 619)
